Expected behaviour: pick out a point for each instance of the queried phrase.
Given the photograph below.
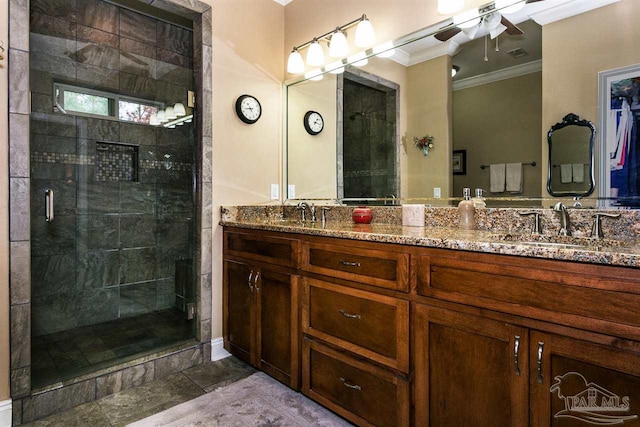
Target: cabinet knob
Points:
(349, 385)
(349, 315)
(516, 350)
(539, 362)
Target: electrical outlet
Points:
(275, 191)
(436, 192)
(291, 191)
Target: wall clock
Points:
(313, 122)
(248, 109)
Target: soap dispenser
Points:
(478, 201)
(466, 210)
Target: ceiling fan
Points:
(494, 23)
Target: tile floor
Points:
(75, 352)
(137, 403)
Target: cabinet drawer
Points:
(599, 298)
(361, 392)
(368, 265)
(365, 323)
(260, 247)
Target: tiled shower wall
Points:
(19, 206)
(112, 248)
(368, 151)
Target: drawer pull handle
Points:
(250, 280)
(351, 386)
(349, 315)
(539, 368)
(255, 281)
(516, 349)
(350, 263)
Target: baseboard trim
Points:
(217, 349)
(5, 413)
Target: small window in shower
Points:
(81, 101)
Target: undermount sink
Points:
(566, 242)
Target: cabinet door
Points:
(239, 306)
(577, 383)
(278, 327)
(469, 371)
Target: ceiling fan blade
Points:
(512, 30)
(445, 35)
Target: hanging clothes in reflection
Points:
(622, 141)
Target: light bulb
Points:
(153, 119)
(359, 59)
(169, 114)
(335, 67)
(162, 117)
(509, 6)
(338, 47)
(454, 70)
(295, 64)
(179, 109)
(315, 55)
(365, 36)
(315, 74)
(384, 50)
(449, 7)
(467, 19)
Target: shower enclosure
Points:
(367, 145)
(113, 213)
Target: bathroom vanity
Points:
(392, 326)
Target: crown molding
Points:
(567, 10)
(494, 76)
(448, 48)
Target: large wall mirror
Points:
(506, 93)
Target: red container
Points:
(362, 215)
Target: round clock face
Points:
(313, 122)
(248, 109)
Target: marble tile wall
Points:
(87, 37)
(117, 233)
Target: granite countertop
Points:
(577, 249)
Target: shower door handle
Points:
(48, 200)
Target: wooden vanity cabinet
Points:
(469, 371)
(261, 312)
(531, 339)
(573, 374)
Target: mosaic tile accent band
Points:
(82, 159)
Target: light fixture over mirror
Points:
(365, 37)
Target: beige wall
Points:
(4, 209)
(247, 58)
(429, 113)
(312, 158)
(570, 85)
(499, 122)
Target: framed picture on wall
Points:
(618, 99)
(459, 166)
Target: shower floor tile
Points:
(120, 409)
(67, 354)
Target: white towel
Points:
(577, 170)
(565, 173)
(514, 177)
(497, 178)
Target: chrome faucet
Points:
(565, 223)
(302, 207)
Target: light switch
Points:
(275, 191)
(436, 192)
(291, 191)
